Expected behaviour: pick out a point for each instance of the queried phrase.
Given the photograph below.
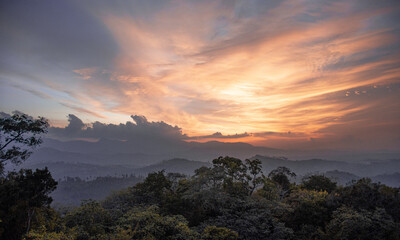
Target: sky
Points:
(286, 74)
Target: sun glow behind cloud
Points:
(285, 68)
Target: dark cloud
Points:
(139, 130)
(279, 134)
(75, 124)
(219, 135)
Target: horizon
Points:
(282, 74)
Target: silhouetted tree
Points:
(256, 175)
(318, 183)
(23, 193)
(281, 176)
(19, 134)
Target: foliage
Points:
(309, 212)
(19, 133)
(364, 194)
(147, 223)
(319, 183)
(348, 223)
(232, 199)
(219, 233)
(90, 220)
(281, 177)
(23, 194)
(45, 235)
(270, 190)
(256, 175)
(251, 220)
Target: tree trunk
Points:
(30, 215)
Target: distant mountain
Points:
(345, 178)
(61, 170)
(114, 157)
(146, 152)
(392, 180)
(135, 160)
(342, 178)
(176, 165)
(303, 167)
(71, 191)
(136, 154)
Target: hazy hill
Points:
(392, 180)
(47, 154)
(137, 153)
(303, 167)
(144, 152)
(61, 170)
(71, 191)
(179, 165)
(65, 163)
(342, 178)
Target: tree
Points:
(364, 194)
(281, 177)
(348, 223)
(238, 178)
(23, 193)
(148, 223)
(234, 174)
(319, 183)
(90, 220)
(19, 134)
(154, 189)
(256, 176)
(251, 219)
(308, 212)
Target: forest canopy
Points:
(232, 199)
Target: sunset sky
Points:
(285, 74)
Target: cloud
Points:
(75, 124)
(82, 110)
(219, 135)
(288, 134)
(138, 130)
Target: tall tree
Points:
(19, 134)
(22, 193)
(319, 183)
(256, 175)
(281, 176)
